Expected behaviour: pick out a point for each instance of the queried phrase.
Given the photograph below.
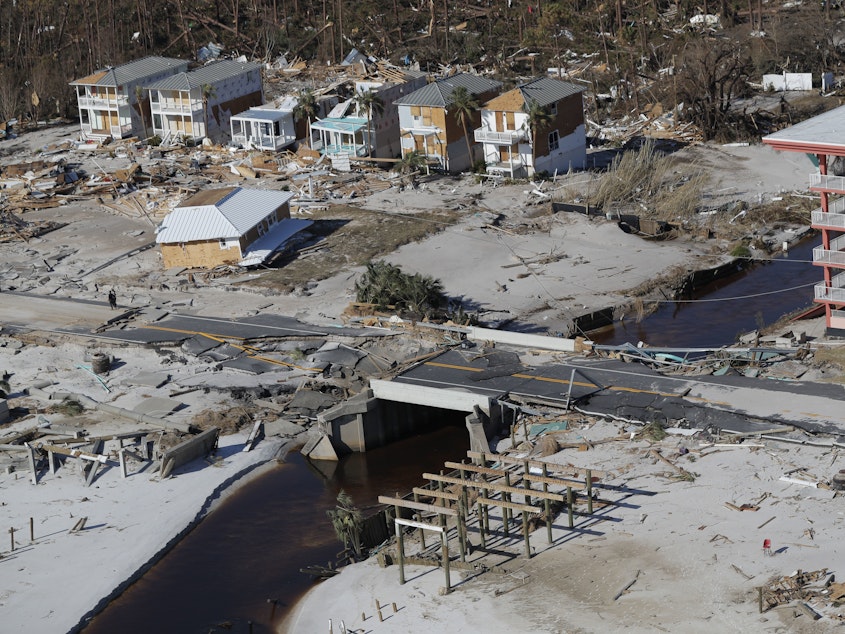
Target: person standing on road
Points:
(112, 299)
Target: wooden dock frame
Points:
(485, 486)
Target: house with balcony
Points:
(199, 104)
(428, 124)
(268, 127)
(349, 130)
(227, 226)
(821, 137)
(112, 102)
(508, 140)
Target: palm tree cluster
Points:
(386, 286)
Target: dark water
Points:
(220, 577)
(714, 317)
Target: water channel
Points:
(250, 550)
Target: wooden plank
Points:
(417, 506)
(575, 484)
(495, 486)
(553, 468)
(434, 493)
(73, 453)
(516, 506)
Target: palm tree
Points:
(411, 164)
(207, 91)
(139, 93)
(306, 108)
(371, 103)
(464, 105)
(538, 119)
(346, 521)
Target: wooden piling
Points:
(589, 476)
(422, 532)
(31, 529)
(12, 535)
(569, 504)
(445, 542)
(548, 506)
(378, 610)
(400, 542)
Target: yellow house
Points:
(227, 226)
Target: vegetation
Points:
(347, 523)
(370, 103)
(644, 53)
(386, 286)
(464, 105)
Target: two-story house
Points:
(352, 129)
(536, 127)
(112, 102)
(199, 104)
(429, 126)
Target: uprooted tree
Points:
(347, 523)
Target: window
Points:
(154, 95)
(553, 108)
(554, 140)
(223, 244)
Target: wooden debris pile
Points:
(816, 587)
(13, 228)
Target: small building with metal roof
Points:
(112, 102)
(428, 124)
(268, 127)
(227, 226)
(536, 127)
(199, 104)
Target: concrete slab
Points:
(148, 379)
(311, 401)
(250, 365)
(158, 406)
(282, 427)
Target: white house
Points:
(108, 100)
(350, 130)
(267, 127)
(200, 103)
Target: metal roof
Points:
(261, 114)
(439, 93)
(548, 90)
(131, 72)
(211, 74)
(231, 215)
(350, 125)
(822, 134)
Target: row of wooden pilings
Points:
(456, 505)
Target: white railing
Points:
(838, 313)
(166, 106)
(507, 137)
(103, 102)
(827, 182)
(829, 294)
(823, 256)
(422, 129)
(821, 219)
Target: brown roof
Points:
(207, 197)
(93, 79)
(511, 101)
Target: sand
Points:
(686, 581)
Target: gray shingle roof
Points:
(131, 72)
(209, 74)
(230, 216)
(548, 90)
(439, 93)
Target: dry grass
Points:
(227, 420)
(833, 360)
(353, 237)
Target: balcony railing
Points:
(507, 137)
(826, 182)
(103, 102)
(263, 142)
(828, 257)
(829, 293)
(166, 106)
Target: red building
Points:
(824, 137)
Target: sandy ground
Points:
(686, 581)
(697, 563)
